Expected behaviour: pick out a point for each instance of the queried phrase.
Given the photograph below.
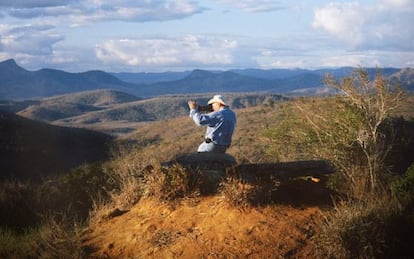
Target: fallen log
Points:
(282, 170)
(206, 160)
(213, 168)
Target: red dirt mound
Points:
(206, 227)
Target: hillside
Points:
(98, 98)
(32, 150)
(69, 105)
(167, 107)
(116, 112)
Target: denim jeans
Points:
(211, 147)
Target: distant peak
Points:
(11, 66)
(199, 73)
(9, 62)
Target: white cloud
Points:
(168, 52)
(28, 39)
(253, 6)
(343, 21)
(94, 10)
(386, 25)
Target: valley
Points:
(116, 113)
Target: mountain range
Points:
(19, 83)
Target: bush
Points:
(371, 229)
(17, 244)
(75, 192)
(349, 129)
(370, 104)
(17, 206)
(53, 238)
(403, 188)
(59, 238)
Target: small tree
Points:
(375, 101)
(352, 128)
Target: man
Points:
(220, 125)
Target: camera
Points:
(205, 108)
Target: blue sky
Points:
(164, 35)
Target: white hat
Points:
(217, 99)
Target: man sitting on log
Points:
(220, 124)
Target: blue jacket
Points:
(220, 124)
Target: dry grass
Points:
(54, 238)
(59, 238)
(170, 183)
(374, 228)
(244, 194)
(17, 245)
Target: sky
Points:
(164, 35)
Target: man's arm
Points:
(194, 112)
(198, 118)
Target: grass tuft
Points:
(374, 228)
(246, 194)
(169, 183)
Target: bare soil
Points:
(209, 227)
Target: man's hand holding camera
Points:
(192, 104)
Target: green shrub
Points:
(75, 192)
(349, 129)
(403, 188)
